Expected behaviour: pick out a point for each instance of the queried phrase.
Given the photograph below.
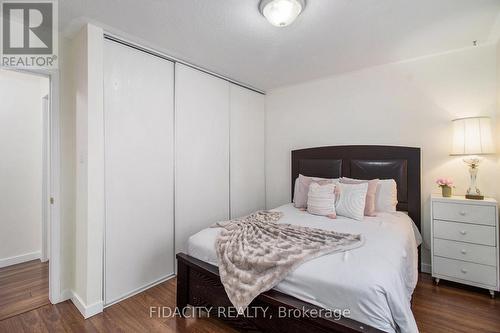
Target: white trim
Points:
(19, 259)
(55, 183)
(45, 178)
(140, 290)
(87, 311)
(174, 108)
(55, 189)
(65, 295)
(122, 40)
(229, 99)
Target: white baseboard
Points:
(87, 311)
(140, 289)
(19, 259)
(64, 296)
(426, 268)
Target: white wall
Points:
(82, 124)
(67, 113)
(498, 105)
(95, 164)
(21, 129)
(410, 104)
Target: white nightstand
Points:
(464, 241)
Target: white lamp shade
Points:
(472, 136)
(281, 13)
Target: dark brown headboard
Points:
(366, 162)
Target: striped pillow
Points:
(321, 199)
(302, 188)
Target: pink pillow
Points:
(370, 194)
(301, 189)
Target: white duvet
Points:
(374, 282)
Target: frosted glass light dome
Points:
(281, 13)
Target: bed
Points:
(374, 282)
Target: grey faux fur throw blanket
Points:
(255, 253)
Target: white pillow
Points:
(321, 200)
(352, 200)
(302, 188)
(386, 197)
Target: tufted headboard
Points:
(366, 162)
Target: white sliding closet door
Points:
(247, 151)
(139, 148)
(202, 152)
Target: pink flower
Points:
(444, 182)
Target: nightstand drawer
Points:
(482, 274)
(479, 254)
(464, 232)
(464, 213)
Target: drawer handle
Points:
(463, 232)
(463, 252)
(463, 270)
(463, 213)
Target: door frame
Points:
(46, 194)
(52, 177)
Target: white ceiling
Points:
(230, 37)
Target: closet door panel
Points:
(139, 149)
(202, 152)
(247, 151)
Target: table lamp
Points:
(472, 137)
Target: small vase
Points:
(446, 190)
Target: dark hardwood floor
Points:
(456, 308)
(23, 287)
(130, 315)
(446, 308)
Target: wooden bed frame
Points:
(198, 283)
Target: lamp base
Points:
(473, 192)
(474, 196)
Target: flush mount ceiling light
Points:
(281, 13)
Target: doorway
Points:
(24, 191)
